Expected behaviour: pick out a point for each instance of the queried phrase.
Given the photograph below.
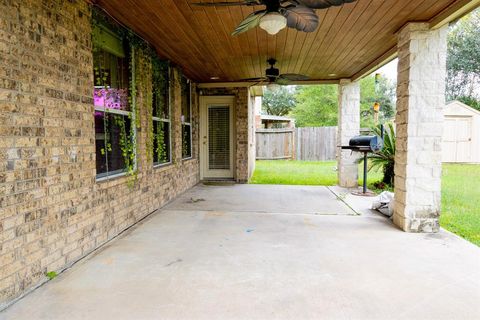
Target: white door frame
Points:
(205, 103)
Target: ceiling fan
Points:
(273, 76)
(278, 14)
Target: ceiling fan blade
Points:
(259, 79)
(300, 18)
(293, 77)
(226, 3)
(259, 83)
(250, 22)
(322, 4)
(282, 82)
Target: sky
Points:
(389, 70)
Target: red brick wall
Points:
(52, 210)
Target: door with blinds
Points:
(216, 134)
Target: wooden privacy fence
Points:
(309, 144)
(273, 144)
(316, 144)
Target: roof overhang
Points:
(352, 40)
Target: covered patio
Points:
(112, 109)
(230, 252)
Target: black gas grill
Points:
(365, 144)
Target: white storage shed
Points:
(461, 134)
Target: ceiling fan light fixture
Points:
(273, 86)
(273, 22)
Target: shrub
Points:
(384, 159)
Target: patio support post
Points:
(348, 127)
(419, 126)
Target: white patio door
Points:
(216, 137)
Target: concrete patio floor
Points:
(265, 252)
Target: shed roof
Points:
(452, 108)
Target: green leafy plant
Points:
(138, 88)
(161, 149)
(185, 148)
(51, 275)
(147, 88)
(316, 106)
(376, 89)
(126, 145)
(132, 98)
(278, 102)
(127, 139)
(160, 77)
(380, 185)
(463, 60)
(384, 159)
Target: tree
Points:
(317, 106)
(278, 102)
(385, 96)
(463, 60)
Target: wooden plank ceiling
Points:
(198, 39)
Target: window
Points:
(186, 119)
(113, 126)
(161, 114)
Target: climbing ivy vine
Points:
(161, 147)
(127, 138)
(148, 80)
(160, 77)
(144, 87)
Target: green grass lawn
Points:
(460, 188)
(311, 173)
(461, 200)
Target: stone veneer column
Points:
(348, 127)
(241, 131)
(419, 121)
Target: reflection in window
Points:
(186, 141)
(113, 127)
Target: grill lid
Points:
(374, 143)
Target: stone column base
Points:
(348, 177)
(417, 225)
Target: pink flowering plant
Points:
(111, 98)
